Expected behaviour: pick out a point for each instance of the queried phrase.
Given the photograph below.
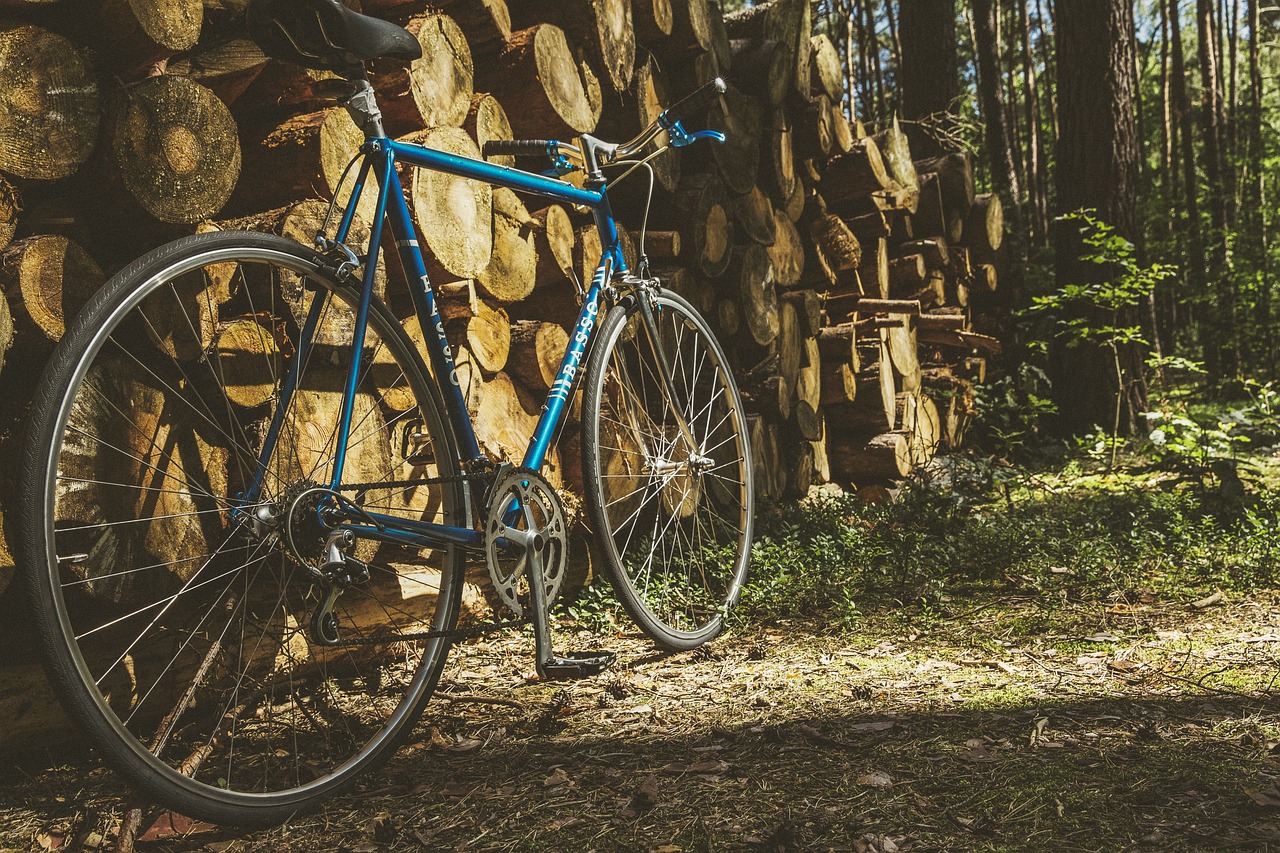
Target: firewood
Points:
(227, 68)
(164, 446)
(141, 32)
(886, 456)
(701, 213)
(955, 181)
(486, 333)
(873, 272)
(248, 360)
(177, 149)
(839, 384)
(512, 270)
(907, 272)
(856, 174)
(826, 73)
(778, 171)
(750, 275)
(813, 128)
(984, 227)
(454, 215)
(927, 435)
(47, 280)
(808, 307)
(602, 27)
(842, 132)
(904, 307)
(553, 241)
(738, 117)
(653, 20)
(933, 251)
(299, 222)
(809, 390)
(799, 457)
(956, 322)
(754, 213)
(297, 158)
(505, 419)
(985, 279)
(691, 30)
(869, 226)
(904, 352)
(896, 152)
(930, 219)
(10, 207)
(794, 207)
(784, 21)
(837, 243)
(487, 121)
(434, 91)
(727, 319)
(762, 66)
(547, 93)
(839, 344)
(787, 252)
(536, 351)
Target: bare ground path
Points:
(1003, 724)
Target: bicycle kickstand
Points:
(573, 664)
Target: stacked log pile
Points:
(846, 280)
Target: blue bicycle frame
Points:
(379, 157)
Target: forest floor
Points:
(1147, 724)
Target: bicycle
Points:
(246, 603)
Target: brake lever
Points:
(679, 137)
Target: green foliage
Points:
(997, 526)
(1089, 313)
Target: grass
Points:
(1003, 660)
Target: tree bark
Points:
(1098, 168)
(930, 81)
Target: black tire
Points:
(675, 532)
(176, 634)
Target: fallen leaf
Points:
(1208, 601)
(557, 777)
(384, 828)
(466, 744)
(1123, 665)
(1266, 799)
(875, 779)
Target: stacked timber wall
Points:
(846, 280)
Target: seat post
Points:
(363, 108)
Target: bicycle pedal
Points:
(576, 665)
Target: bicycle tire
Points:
(174, 634)
(647, 495)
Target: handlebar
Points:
(561, 153)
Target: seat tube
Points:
(386, 168)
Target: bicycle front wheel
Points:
(182, 441)
(667, 469)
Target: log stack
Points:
(846, 280)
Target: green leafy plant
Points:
(1092, 313)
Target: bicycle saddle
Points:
(326, 35)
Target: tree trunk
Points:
(1004, 176)
(1097, 167)
(930, 73)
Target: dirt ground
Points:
(999, 724)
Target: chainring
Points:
(523, 500)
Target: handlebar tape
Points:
(519, 147)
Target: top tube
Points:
(490, 173)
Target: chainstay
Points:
(409, 484)
(479, 630)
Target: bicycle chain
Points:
(478, 630)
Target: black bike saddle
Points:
(326, 35)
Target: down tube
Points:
(424, 303)
(570, 366)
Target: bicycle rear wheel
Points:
(667, 470)
(165, 555)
